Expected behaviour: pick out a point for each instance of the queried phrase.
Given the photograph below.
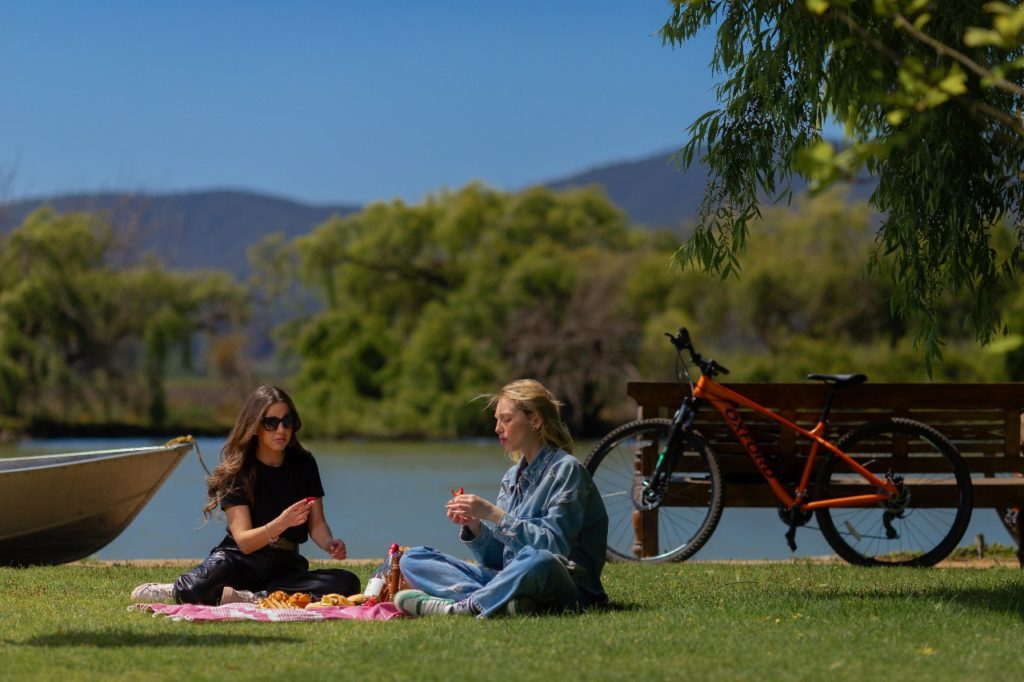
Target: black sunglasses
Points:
(271, 423)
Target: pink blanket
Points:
(195, 612)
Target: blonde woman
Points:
(539, 546)
(268, 486)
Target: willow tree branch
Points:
(943, 49)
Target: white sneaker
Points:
(232, 596)
(153, 593)
(520, 606)
(419, 603)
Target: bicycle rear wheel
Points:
(929, 518)
(686, 516)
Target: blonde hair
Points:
(533, 398)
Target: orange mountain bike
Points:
(869, 514)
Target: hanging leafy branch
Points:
(929, 95)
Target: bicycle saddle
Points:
(839, 380)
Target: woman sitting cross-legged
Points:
(269, 488)
(541, 546)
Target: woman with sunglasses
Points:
(269, 488)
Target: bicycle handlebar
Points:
(683, 342)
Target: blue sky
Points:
(345, 101)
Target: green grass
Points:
(996, 551)
(691, 621)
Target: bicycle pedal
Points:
(791, 538)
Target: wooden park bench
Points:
(982, 420)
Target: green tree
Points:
(806, 303)
(78, 336)
(51, 308)
(427, 306)
(929, 95)
(163, 312)
(491, 286)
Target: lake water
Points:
(379, 492)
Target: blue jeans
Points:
(533, 573)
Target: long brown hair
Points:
(532, 397)
(236, 472)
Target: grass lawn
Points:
(690, 621)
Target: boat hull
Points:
(61, 508)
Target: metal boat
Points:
(60, 508)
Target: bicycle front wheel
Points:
(688, 513)
(924, 523)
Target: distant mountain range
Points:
(213, 229)
(652, 191)
(194, 230)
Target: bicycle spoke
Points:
(680, 531)
(928, 519)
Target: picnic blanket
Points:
(237, 612)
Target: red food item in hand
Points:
(456, 493)
(309, 499)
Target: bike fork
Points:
(656, 487)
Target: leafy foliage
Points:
(930, 100)
(401, 315)
(429, 306)
(77, 335)
(425, 307)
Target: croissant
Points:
(299, 600)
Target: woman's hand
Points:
(321, 533)
(462, 520)
(469, 510)
(295, 515)
(336, 548)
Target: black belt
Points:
(280, 543)
(284, 545)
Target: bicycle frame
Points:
(726, 401)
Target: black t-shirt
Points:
(279, 487)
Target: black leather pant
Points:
(265, 570)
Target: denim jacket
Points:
(550, 504)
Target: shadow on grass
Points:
(113, 638)
(610, 607)
(1008, 600)
(616, 606)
